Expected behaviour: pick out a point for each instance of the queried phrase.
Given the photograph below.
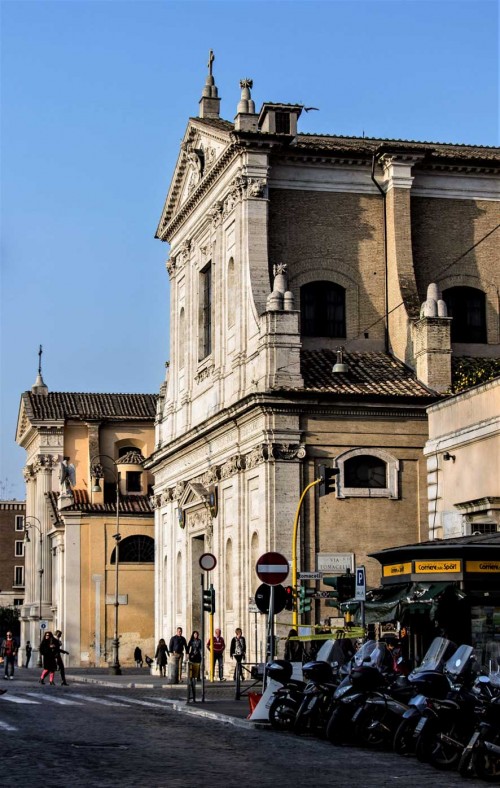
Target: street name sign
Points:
(272, 568)
(310, 575)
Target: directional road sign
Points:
(272, 568)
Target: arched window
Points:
(229, 575)
(322, 310)
(367, 473)
(467, 307)
(181, 338)
(138, 549)
(231, 294)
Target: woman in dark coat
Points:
(161, 656)
(48, 652)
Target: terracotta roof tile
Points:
(82, 406)
(370, 374)
(131, 504)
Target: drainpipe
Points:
(384, 196)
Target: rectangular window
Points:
(134, 481)
(205, 313)
(19, 575)
(18, 602)
(19, 549)
(282, 123)
(19, 522)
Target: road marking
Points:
(90, 699)
(17, 699)
(6, 727)
(135, 700)
(51, 699)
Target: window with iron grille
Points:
(282, 123)
(483, 528)
(18, 602)
(135, 549)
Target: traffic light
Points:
(305, 601)
(346, 587)
(334, 601)
(327, 476)
(291, 598)
(209, 599)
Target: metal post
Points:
(256, 643)
(211, 636)
(202, 641)
(115, 668)
(295, 615)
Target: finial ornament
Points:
(40, 351)
(246, 83)
(211, 58)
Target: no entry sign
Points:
(272, 568)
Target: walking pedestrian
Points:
(58, 651)
(48, 655)
(219, 648)
(238, 652)
(28, 653)
(177, 647)
(138, 657)
(8, 650)
(194, 655)
(161, 656)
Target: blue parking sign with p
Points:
(360, 593)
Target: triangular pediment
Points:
(204, 143)
(23, 422)
(194, 493)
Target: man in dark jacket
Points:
(8, 650)
(177, 647)
(58, 651)
(238, 651)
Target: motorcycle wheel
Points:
(301, 721)
(444, 755)
(339, 725)
(487, 764)
(404, 740)
(424, 744)
(368, 730)
(282, 714)
(466, 765)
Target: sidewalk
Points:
(219, 704)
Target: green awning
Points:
(388, 603)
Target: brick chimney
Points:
(432, 342)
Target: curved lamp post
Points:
(97, 473)
(27, 527)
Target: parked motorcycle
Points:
(481, 756)
(284, 707)
(427, 681)
(447, 725)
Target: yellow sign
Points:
(437, 567)
(482, 566)
(397, 569)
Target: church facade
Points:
(87, 498)
(319, 287)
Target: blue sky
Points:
(95, 98)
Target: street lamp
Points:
(27, 539)
(97, 473)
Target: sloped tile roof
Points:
(366, 146)
(130, 504)
(370, 374)
(82, 406)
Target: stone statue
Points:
(67, 476)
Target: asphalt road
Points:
(88, 735)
